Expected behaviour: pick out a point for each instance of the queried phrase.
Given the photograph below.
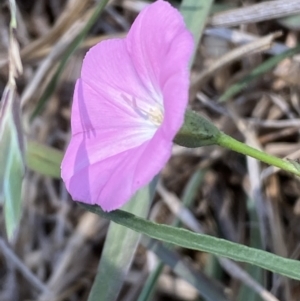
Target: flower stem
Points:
(230, 143)
(198, 131)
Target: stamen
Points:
(156, 116)
(153, 114)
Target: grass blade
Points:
(195, 241)
(12, 146)
(187, 199)
(119, 248)
(195, 13)
(255, 272)
(11, 161)
(44, 159)
(200, 281)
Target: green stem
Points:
(230, 143)
(198, 131)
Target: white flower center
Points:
(151, 112)
(156, 116)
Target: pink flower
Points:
(128, 105)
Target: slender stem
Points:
(230, 143)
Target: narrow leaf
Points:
(187, 199)
(205, 286)
(44, 159)
(255, 272)
(195, 13)
(201, 242)
(291, 22)
(119, 249)
(11, 160)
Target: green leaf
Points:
(11, 160)
(149, 287)
(245, 292)
(201, 242)
(205, 286)
(190, 190)
(44, 159)
(195, 13)
(290, 22)
(221, 7)
(119, 249)
(188, 197)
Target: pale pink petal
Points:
(114, 83)
(161, 47)
(117, 134)
(152, 41)
(110, 183)
(115, 148)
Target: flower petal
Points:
(116, 135)
(117, 146)
(160, 52)
(110, 183)
(152, 40)
(108, 70)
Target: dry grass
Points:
(58, 245)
